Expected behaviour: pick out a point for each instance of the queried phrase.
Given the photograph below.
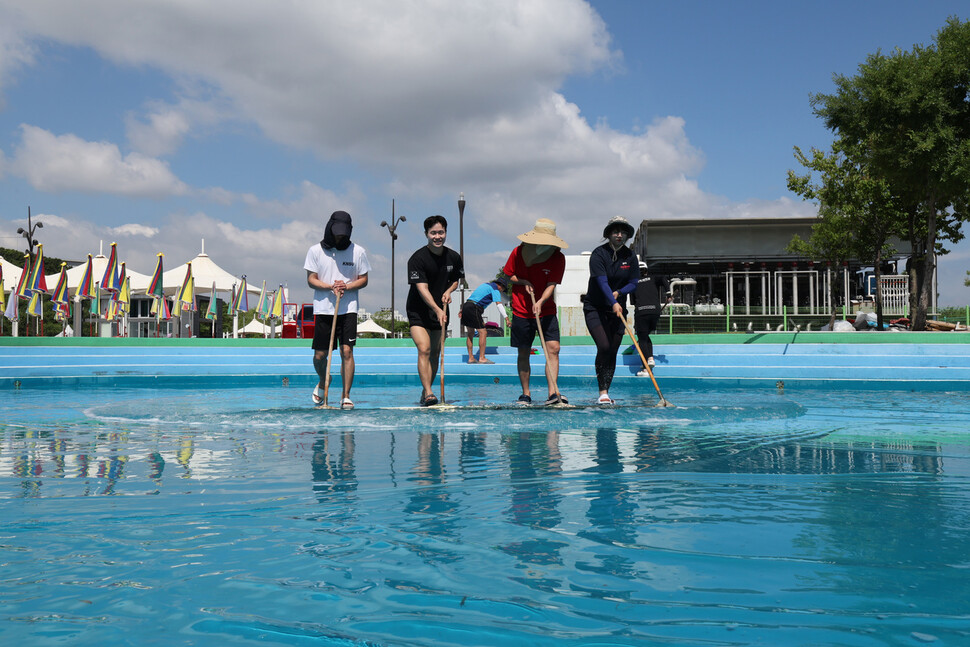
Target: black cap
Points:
(338, 225)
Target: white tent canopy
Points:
(11, 274)
(138, 281)
(204, 273)
(256, 327)
(371, 326)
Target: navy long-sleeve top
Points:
(610, 271)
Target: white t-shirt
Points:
(330, 265)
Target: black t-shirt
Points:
(619, 268)
(650, 295)
(439, 271)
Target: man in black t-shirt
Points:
(433, 274)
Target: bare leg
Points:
(422, 341)
(320, 364)
(482, 343)
(469, 345)
(552, 365)
(434, 356)
(347, 366)
(523, 363)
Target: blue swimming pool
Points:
(235, 516)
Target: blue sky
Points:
(157, 124)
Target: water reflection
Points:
(611, 512)
(534, 470)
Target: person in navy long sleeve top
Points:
(613, 274)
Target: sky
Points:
(159, 124)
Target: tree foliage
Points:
(904, 120)
(858, 213)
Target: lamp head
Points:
(402, 219)
(383, 223)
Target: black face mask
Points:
(342, 242)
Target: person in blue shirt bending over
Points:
(472, 312)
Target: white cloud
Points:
(57, 163)
(134, 229)
(15, 53)
(162, 133)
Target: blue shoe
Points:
(524, 399)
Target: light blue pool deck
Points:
(866, 360)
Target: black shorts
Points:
(426, 318)
(346, 330)
(523, 331)
(471, 315)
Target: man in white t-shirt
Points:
(335, 266)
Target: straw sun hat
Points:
(544, 233)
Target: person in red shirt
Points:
(534, 269)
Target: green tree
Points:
(858, 213)
(383, 319)
(905, 118)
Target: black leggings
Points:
(645, 326)
(607, 330)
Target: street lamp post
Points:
(461, 252)
(29, 234)
(392, 229)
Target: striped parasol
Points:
(85, 289)
(60, 292)
(37, 283)
(186, 295)
(111, 281)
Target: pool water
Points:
(236, 516)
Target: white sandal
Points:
(346, 403)
(316, 396)
(605, 399)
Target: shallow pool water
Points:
(234, 516)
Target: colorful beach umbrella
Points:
(62, 312)
(211, 311)
(85, 289)
(60, 292)
(155, 289)
(35, 307)
(37, 281)
(10, 312)
(161, 310)
(124, 294)
(22, 285)
(242, 296)
(186, 295)
(111, 281)
(96, 300)
(277, 310)
(261, 301)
